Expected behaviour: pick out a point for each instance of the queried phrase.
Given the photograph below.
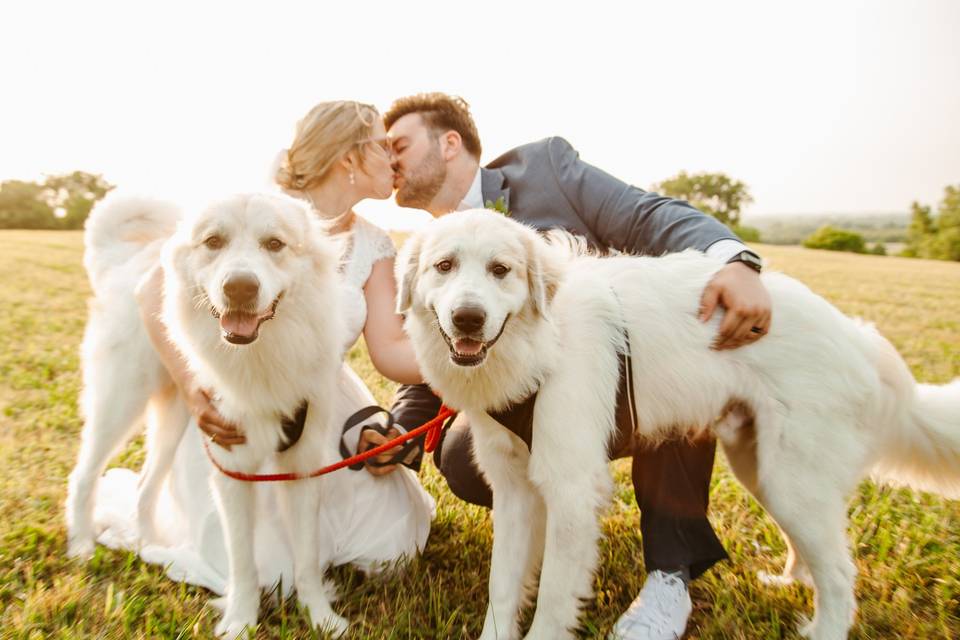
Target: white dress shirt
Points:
(474, 197)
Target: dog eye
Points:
(444, 266)
(499, 270)
(214, 242)
(274, 244)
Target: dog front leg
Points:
(235, 502)
(301, 502)
(517, 526)
(517, 544)
(570, 554)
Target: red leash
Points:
(432, 428)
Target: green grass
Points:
(907, 546)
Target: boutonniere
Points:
(500, 206)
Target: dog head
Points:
(470, 273)
(239, 257)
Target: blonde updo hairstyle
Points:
(323, 136)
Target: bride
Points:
(339, 156)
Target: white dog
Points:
(244, 261)
(497, 312)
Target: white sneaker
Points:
(660, 612)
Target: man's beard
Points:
(422, 185)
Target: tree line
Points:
(58, 202)
(936, 237)
(64, 202)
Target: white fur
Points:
(296, 357)
(803, 413)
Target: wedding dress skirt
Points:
(364, 520)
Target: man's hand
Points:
(738, 289)
(370, 439)
(211, 422)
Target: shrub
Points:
(833, 239)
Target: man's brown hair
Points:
(441, 113)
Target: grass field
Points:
(907, 546)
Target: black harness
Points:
(518, 417)
(293, 427)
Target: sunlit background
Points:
(817, 106)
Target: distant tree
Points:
(833, 239)
(747, 234)
(878, 249)
(22, 206)
(937, 238)
(59, 202)
(72, 196)
(715, 193)
(947, 243)
(920, 232)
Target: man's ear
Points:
(451, 144)
(405, 271)
(543, 273)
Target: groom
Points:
(546, 185)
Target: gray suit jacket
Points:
(546, 185)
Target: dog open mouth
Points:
(238, 326)
(467, 351)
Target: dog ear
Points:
(405, 272)
(543, 274)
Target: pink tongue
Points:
(239, 324)
(467, 347)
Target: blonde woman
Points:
(339, 156)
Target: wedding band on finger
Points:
(213, 438)
(757, 330)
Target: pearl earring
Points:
(353, 179)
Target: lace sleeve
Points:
(382, 244)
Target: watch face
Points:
(750, 260)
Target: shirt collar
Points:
(474, 197)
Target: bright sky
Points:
(817, 106)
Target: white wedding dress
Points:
(364, 520)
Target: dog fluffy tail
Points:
(920, 445)
(120, 227)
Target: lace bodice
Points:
(367, 243)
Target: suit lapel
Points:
(492, 188)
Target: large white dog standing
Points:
(497, 312)
(244, 260)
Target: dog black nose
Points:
(241, 289)
(469, 319)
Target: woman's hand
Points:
(210, 421)
(369, 439)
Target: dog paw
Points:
(331, 623)
(490, 632)
(80, 548)
(543, 633)
(239, 614)
(233, 627)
